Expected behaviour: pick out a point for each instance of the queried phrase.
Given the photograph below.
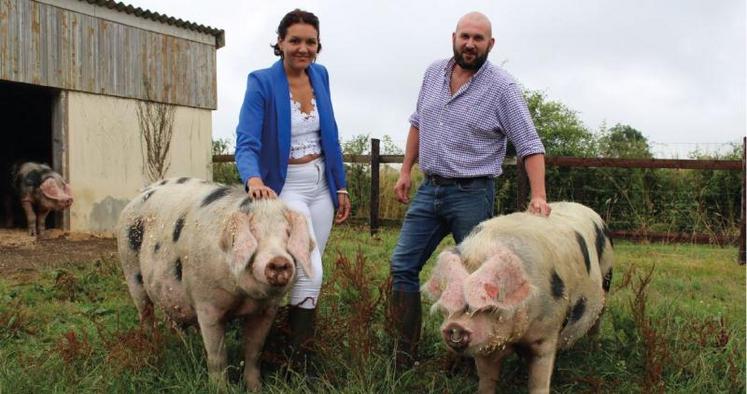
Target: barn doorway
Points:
(27, 125)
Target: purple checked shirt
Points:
(464, 135)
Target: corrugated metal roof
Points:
(219, 34)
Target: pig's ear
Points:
(447, 279)
(67, 191)
(237, 240)
(300, 243)
(500, 282)
(51, 189)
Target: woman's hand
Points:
(343, 209)
(257, 189)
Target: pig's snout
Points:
(456, 336)
(67, 202)
(279, 271)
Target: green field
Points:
(675, 322)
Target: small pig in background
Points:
(523, 283)
(205, 254)
(40, 190)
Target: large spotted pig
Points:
(206, 253)
(40, 190)
(523, 283)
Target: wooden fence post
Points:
(522, 186)
(374, 201)
(743, 223)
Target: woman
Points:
(287, 146)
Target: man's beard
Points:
(475, 65)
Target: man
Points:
(466, 110)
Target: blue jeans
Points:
(436, 211)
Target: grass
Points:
(675, 322)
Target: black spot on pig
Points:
(178, 228)
(182, 180)
(178, 270)
(601, 240)
(135, 234)
(147, 195)
(34, 178)
(163, 182)
(157, 247)
(246, 204)
(607, 281)
(215, 195)
(578, 310)
(575, 313)
(139, 278)
(584, 251)
(556, 285)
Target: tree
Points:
(623, 142)
(559, 127)
(156, 121)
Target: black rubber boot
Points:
(301, 325)
(405, 312)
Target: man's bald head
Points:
(472, 40)
(477, 20)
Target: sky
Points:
(673, 69)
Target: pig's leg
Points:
(489, 370)
(213, 331)
(143, 303)
(147, 315)
(41, 220)
(541, 362)
(30, 215)
(256, 328)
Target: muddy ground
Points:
(20, 252)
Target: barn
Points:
(84, 84)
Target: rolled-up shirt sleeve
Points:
(415, 117)
(517, 123)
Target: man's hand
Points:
(257, 189)
(343, 209)
(538, 206)
(402, 188)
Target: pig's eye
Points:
(485, 309)
(288, 232)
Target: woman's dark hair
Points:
(291, 18)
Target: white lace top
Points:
(306, 138)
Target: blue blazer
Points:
(263, 133)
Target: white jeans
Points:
(306, 192)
